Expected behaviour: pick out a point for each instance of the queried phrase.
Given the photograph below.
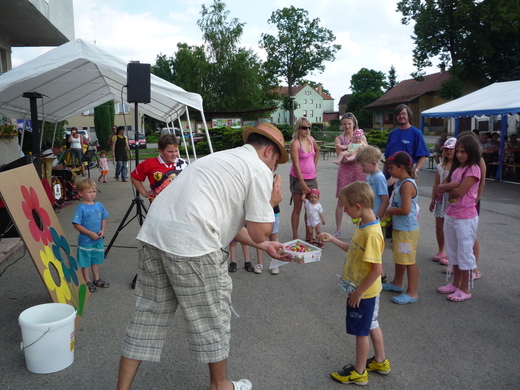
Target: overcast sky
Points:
(369, 31)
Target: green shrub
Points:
(377, 138)
(287, 131)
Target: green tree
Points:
(367, 85)
(477, 40)
(302, 46)
(392, 78)
(228, 77)
(103, 121)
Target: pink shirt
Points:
(306, 162)
(464, 206)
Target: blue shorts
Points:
(91, 254)
(363, 318)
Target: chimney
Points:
(320, 88)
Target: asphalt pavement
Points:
(289, 330)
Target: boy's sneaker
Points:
(349, 375)
(258, 268)
(381, 368)
(275, 271)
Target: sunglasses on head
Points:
(348, 115)
(305, 127)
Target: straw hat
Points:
(271, 132)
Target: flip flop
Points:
(390, 287)
(337, 234)
(458, 296)
(403, 299)
(242, 384)
(448, 289)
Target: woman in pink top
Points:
(348, 171)
(304, 155)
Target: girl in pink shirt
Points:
(461, 219)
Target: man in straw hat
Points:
(182, 262)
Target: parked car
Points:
(141, 141)
(196, 137)
(174, 130)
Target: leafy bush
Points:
(287, 131)
(221, 138)
(377, 138)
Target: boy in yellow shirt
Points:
(362, 281)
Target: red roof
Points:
(408, 90)
(297, 89)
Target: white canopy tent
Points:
(77, 76)
(496, 99)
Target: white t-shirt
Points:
(203, 209)
(313, 213)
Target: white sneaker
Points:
(258, 268)
(242, 384)
(275, 271)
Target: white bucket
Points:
(48, 337)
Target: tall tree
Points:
(228, 77)
(103, 120)
(476, 39)
(392, 78)
(302, 46)
(367, 85)
(220, 34)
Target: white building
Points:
(308, 102)
(33, 23)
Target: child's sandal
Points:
(101, 283)
(91, 287)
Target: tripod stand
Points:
(137, 201)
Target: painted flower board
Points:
(38, 225)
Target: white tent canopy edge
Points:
(77, 76)
(501, 98)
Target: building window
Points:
(88, 112)
(311, 101)
(311, 113)
(305, 113)
(304, 101)
(121, 108)
(379, 118)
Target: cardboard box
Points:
(309, 255)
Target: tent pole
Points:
(183, 139)
(191, 134)
(207, 131)
(503, 130)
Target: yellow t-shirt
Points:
(366, 248)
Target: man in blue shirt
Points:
(406, 138)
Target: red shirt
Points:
(158, 172)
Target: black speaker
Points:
(138, 82)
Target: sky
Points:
(369, 31)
